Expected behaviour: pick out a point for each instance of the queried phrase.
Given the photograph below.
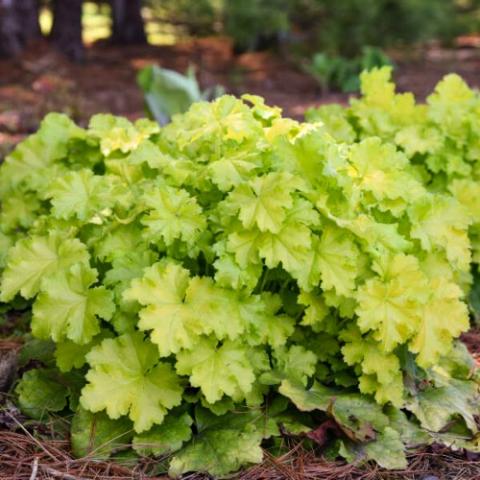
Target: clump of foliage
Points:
(210, 284)
(337, 72)
(440, 138)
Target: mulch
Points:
(24, 457)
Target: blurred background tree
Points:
(344, 27)
(254, 24)
(66, 33)
(127, 22)
(19, 24)
(331, 26)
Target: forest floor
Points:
(41, 80)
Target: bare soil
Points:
(42, 80)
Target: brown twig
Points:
(33, 475)
(40, 445)
(56, 473)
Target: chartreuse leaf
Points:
(31, 165)
(418, 139)
(117, 133)
(179, 308)
(234, 168)
(264, 323)
(69, 355)
(79, 194)
(68, 308)
(381, 374)
(222, 445)
(442, 222)
(96, 436)
(380, 238)
(388, 304)
(121, 240)
(32, 260)
(224, 120)
(19, 211)
(381, 111)
(444, 317)
(295, 363)
(162, 290)
(123, 270)
(263, 202)
(129, 266)
(465, 191)
(168, 437)
(126, 378)
(172, 214)
(218, 309)
(334, 119)
(5, 244)
(315, 312)
(165, 281)
(334, 261)
(229, 274)
(244, 244)
(288, 247)
(206, 362)
(451, 106)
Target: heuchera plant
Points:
(232, 275)
(441, 138)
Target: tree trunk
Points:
(10, 41)
(67, 28)
(128, 27)
(28, 13)
(18, 25)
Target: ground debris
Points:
(21, 453)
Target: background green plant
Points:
(343, 28)
(336, 28)
(167, 92)
(336, 72)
